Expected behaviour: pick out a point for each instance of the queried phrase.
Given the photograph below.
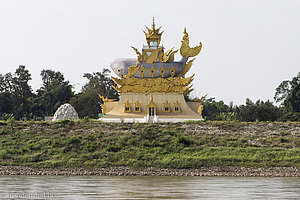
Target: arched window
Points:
(177, 107)
(151, 107)
(166, 107)
(127, 107)
(137, 106)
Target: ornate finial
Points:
(153, 35)
(185, 49)
(153, 24)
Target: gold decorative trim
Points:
(142, 71)
(140, 58)
(162, 71)
(172, 71)
(171, 57)
(152, 71)
(200, 108)
(161, 56)
(187, 67)
(150, 85)
(137, 104)
(103, 106)
(153, 56)
(144, 55)
(166, 107)
(132, 70)
(185, 49)
(167, 54)
(127, 106)
(177, 107)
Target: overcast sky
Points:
(249, 47)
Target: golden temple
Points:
(152, 87)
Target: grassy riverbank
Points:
(93, 144)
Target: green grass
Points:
(91, 144)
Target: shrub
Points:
(4, 154)
(5, 116)
(184, 140)
(73, 140)
(66, 121)
(11, 121)
(86, 119)
(89, 147)
(293, 117)
(113, 148)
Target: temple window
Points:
(137, 106)
(153, 43)
(177, 107)
(166, 107)
(127, 106)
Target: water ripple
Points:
(148, 187)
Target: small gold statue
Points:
(200, 108)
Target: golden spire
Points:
(153, 36)
(153, 24)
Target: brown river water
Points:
(148, 187)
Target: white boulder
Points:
(65, 111)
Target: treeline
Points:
(288, 93)
(18, 100)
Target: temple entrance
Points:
(151, 111)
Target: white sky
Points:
(249, 47)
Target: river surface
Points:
(148, 187)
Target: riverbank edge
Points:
(124, 171)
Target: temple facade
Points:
(152, 87)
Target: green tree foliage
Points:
(212, 108)
(87, 103)
(259, 111)
(6, 105)
(289, 93)
(17, 99)
(16, 94)
(250, 112)
(54, 92)
(2, 83)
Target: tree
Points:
(87, 103)
(259, 111)
(2, 83)
(212, 108)
(6, 101)
(101, 83)
(6, 105)
(50, 77)
(21, 92)
(54, 92)
(289, 93)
